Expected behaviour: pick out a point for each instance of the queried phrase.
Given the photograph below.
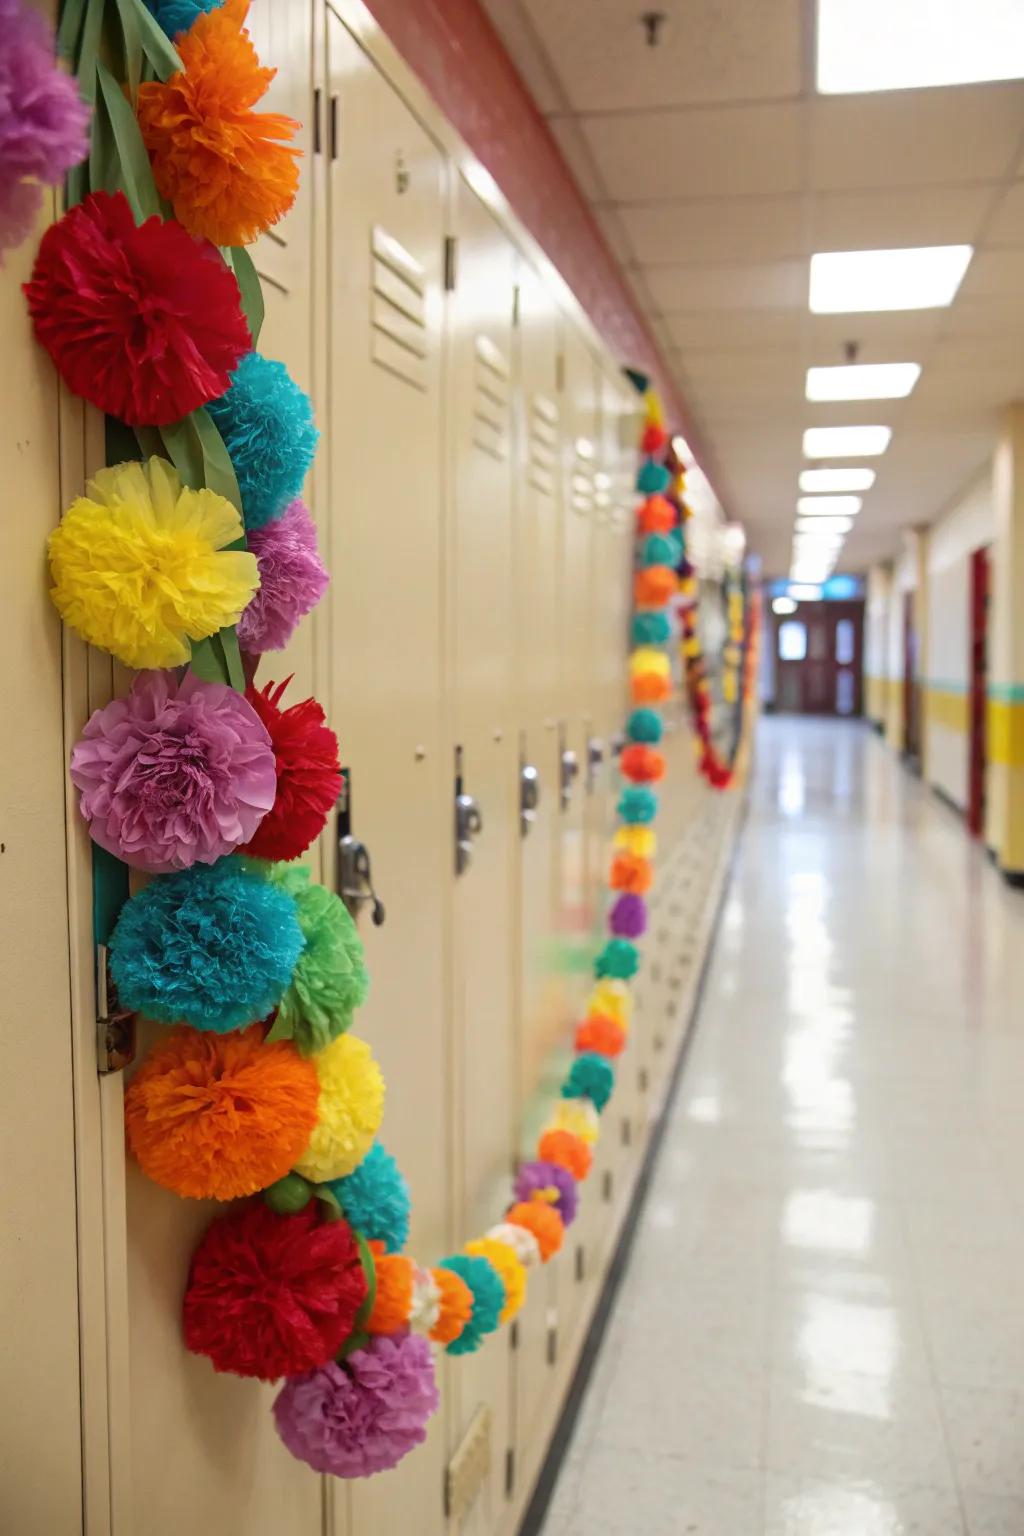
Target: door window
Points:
(844, 642)
(792, 640)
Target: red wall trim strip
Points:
(452, 47)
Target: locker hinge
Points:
(510, 1472)
(580, 1262)
(333, 127)
(451, 260)
(115, 1026)
(552, 1349)
(318, 102)
(513, 1336)
(560, 371)
(515, 304)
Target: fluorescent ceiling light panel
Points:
(828, 506)
(825, 524)
(895, 45)
(863, 381)
(783, 605)
(804, 593)
(837, 479)
(918, 277)
(846, 442)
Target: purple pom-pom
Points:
(175, 774)
(628, 917)
(361, 1417)
(538, 1176)
(292, 580)
(43, 120)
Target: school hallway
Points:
(820, 1331)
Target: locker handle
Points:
(529, 796)
(570, 767)
(469, 823)
(355, 879)
(595, 757)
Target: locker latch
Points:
(570, 767)
(529, 796)
(595, 757)
(355, 879)
(115, 1026)
(468, 825)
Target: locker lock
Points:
(595, 757)
(468, 825)
(618, 744)
(529, 796)
(355, 879)
(570, 768)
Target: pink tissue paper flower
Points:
(43, 120)
(361, 1417)
(292, 579)
(175, 774)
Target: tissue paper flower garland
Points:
(292, 580)
(43, 121)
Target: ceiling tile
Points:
(878, 220)
(707, 52)
(915, 138)
(703, 151)
(881, 338)
(577, 156)
(994, 274)
(614, 231)
(1007, 224)
(533, 64)
(751, 228)
(772, 285)
(737, 328)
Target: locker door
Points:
(542, 1006)
(485, 761)
(386, 234)
(204, 1452)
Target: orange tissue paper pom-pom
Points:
(510, 1267)
(543, 1221)
(216, 1117)
(642, 764)
(600, 1034)
(654, 585)
(656, 515)
(632, 874)
(224, 168)
(649, 688)
(392, 1306)
(455, 1306)
(568, 1151)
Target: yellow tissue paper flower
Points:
(576, 1115)
(611, 998)
(641, 842)
(647, 659)
(140, 567)
(509, 1266)
(349, 1113)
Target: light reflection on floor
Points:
(821, 1332)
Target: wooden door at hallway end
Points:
(819, 659)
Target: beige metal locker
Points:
(386, 265)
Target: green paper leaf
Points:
(89, 48)
(183, 448)
(136, 176)
(279, 1030)
(109, 892)
(151, 444)
(330, 1201)
(359, 1338)
(132, 39)
(70, 30)
(249, 288)
(218, 470)
(208, 662)
(156, 45)
(233, 659)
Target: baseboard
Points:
(547, 1477)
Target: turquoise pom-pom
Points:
(213, 946)
(592, 1077)
(659, 549)
(644, 725)
(375, 1199)
(177, 16)
(637, 804)
(266, 422)
(619, 959)
(653, 478)
(488, 1299)
(651, 627)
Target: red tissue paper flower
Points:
(272, 1295)
(308, 774)
(142, 321)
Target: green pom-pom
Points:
(290, 1194)
(644, 725)
(619, 959)
(653, 478)
(592, 1077)
(637, 805)
(651, 627)
(659, 549)
(488, 1299)
(330, 977)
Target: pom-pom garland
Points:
(618, 958)
(631, 874)
(215, 1117)
(488, 1294)
(292, 580)
(351, 1108)
(640, 842)
(360, 1417)
(644, 725)
(642, 764)
(141, 567)
(211, 946)
(613, 999)
(638, 805)
(375, 1199)
(568, 1150)
(271, 1295)
(653, 439)
(654, 585)
(426, 1301)
(576, 1115)
(656, 515)
(649, 688)
(650, 626)
(590, 1077)
(543, 1221)
(393, 1298)
(308, 774)
(628, 916)
(266, 421)
(454, 1305)
(523, 1243)
(175, 774)
(551, 1183)
(601, 1034)
(508, 1266)
(659, 549)
(329, 980)
(653, 478)
(177, 16)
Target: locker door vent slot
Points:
(469, 1466)
(398, 310)
(491, 407)
(551, 1352)
(581, 481)
(543, 446)
(510, 1472)
(581, 1262)
(607, 1186)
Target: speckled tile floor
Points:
(821, 1330)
